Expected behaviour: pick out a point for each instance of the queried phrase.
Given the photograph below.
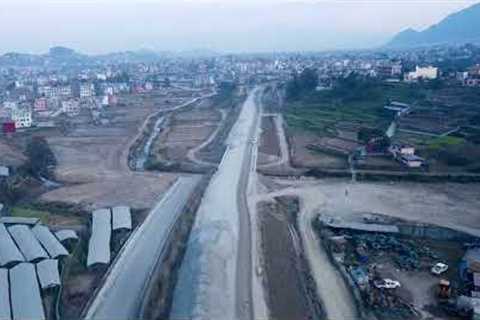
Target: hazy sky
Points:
(96, 26)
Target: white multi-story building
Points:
(427, 73)
(10, 105)
(65, 91)
(71, 107)
(87, 90)
(22, 118)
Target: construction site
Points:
(322, 247)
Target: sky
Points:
(100, 26)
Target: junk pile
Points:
(406, 254)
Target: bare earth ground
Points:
(289, 296)
(269, 148)
(301, 156)
(92, 162)
(186, 130)
(449, 204)
(10, 155)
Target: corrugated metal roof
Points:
(27, 243)
(4, 171)
(476, 279)
(25, 293)
(19, 220)
(54, 248)
(5, 312)
(99, 245)
(9, 252)
(48, 275)
(121, 218)
(66, 234)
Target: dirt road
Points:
(334, 294)
(192, 153)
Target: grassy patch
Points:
(30, 213)
(51, 213)
(443, 142)
(318, 112)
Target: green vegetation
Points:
(51, 212)
(353, 99)
(442, 142)
(40, 158)
(451, 151)
(306, 82)
(30, 213)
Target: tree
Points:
(292, 89)
(301, 84)
(365, 135)
(308, 80)
(40, 157)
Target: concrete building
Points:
(22, 118)
(71, 107)
(40, 105)
(86, 90)
(4, 171)
(426, 73)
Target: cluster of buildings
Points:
(26, 104)
(31, 93)
(470, 77)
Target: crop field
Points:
(442, 125)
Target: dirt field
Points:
(269, 148)
(448, 204)
(185, 131)
(289, 293)
(303, 156)
(10, 155)
(92, 162)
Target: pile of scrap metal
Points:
(407, 253)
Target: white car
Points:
(387, 284)
(439, 268)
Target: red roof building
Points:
(8, 127)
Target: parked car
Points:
(387, 284)
(439, 268)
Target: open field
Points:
(441, 125)
(92, 162)
(295, 298)
(304, 156)
(185, 130)
(269, 148)
(10, 154)
(450, 205)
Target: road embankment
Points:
(159, 293)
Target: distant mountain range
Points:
(67, 56)
(457, 28)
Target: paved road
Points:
(215, 277)
(122, 294)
